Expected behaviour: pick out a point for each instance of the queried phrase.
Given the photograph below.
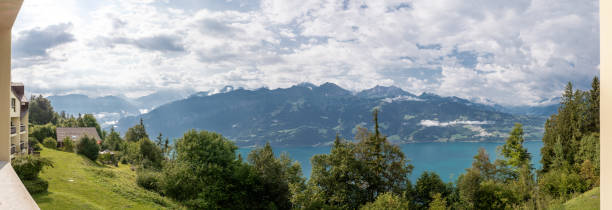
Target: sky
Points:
(519, 52)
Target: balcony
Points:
(13, 129)
(22, 128)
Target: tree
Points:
(88, 147)
(483, 164)
(593, 109)
(150, 154)
(136, 133)
(427, 185)
(513, 149)
(277, 175)
(355, 173)
(159, 140)
(438, 202)
(88, 120)
(207, 175)
(40, 111)
(387, 201)
(113, 140)
(166, 149)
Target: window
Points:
(13, 104)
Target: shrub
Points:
(28, 167)
(88, 147)
(68, 145)
(50, 143)
(35, 186)
(559, 183)
(148, 180)
(34, 144)
(41, 132)
(108, 158)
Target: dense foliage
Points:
(570, 155)
(68, 144)
(88, 147)
(355, 173)
(50, 143)
(41, 132)
(113, 141)
(40, 111)
(136, 133)
(28, 168)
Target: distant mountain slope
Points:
(308, 115)
(109, 109)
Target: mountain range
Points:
(109, 109)
(310, 115)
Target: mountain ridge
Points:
(309, 115)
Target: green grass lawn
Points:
(586, 201)
(76, 182)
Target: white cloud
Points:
(512, 52)
(435, 123)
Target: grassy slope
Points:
(586, 201)
(78, 183)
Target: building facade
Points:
(19, 120)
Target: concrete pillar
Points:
(8, 13)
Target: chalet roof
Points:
(76, 133)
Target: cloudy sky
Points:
(519, 52)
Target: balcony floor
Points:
(13, 195)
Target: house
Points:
(75, 134)
(19, 120)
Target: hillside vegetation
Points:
(588, 200)
(76, 182)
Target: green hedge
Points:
(27, 167)
(36, 186)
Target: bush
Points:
(88, 147)
(34, 144)
(68, 145)
(148, 180)
(50, 143)
(108, 158)
(36, 186)
(28, 167)
(559, 183)
(41, 132)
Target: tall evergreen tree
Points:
(136, 133)
(513, 149)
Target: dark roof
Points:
(76, 133)
(18, 89)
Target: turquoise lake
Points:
(448, 159)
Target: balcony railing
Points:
(13, 130)
(13, 149)
(22, 128)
